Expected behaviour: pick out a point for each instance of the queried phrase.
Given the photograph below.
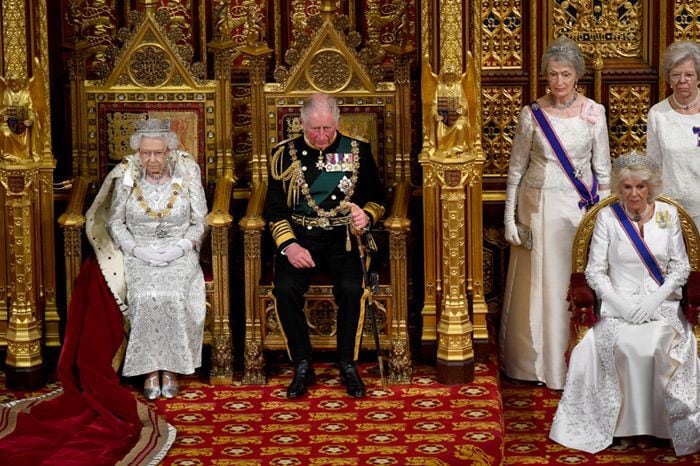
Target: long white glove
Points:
(171, 253)
(149, 255)
(128, 246)
(620, 306)
(511, 232)
(650, 306)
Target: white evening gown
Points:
(633, 379)
(535, 319)
(673, 140)
(167, 304)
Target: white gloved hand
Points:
(149, 255)
(128, 246)
(603, 193)
(511, 232)
(620, 307)
(650, 308)
(171, 253)
(185, 244)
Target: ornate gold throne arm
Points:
(71, 222)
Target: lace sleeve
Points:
(522, 144)
(678, 267)
(198, 205)
(116, 219)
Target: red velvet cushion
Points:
(582, 300)
(692, 296)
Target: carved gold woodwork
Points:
(29, 317)
(687, 24)
(502, 35)
(500, 109)
(325, 60)
(627, 120)
(151, 77)
(618, 28)
(452, 161)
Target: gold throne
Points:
(150, 78)
(371, 109)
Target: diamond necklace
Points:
(565, 105)
(636, 217)
(685, 107)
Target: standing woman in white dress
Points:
(147, 225)
(673, 127)
(636, 372)
(559, 167)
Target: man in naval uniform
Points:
(323, 188)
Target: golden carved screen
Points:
(112, 124)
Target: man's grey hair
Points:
(320, 102)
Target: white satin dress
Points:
(535, 319)
(629, 379)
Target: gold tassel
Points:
(348, 244)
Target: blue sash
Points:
(639, 245)
(589, 197)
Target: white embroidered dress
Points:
(166, 305)
(535, 318)
(633, 379)
(673, 140)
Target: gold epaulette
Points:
(281, 143)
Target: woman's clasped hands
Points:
(159, 257)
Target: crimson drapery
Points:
(94, 420)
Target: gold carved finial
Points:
(449, 110)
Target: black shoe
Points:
(304, 376)
(351, 378)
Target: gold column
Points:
(252, 224)
(26, 179)
(398, 223)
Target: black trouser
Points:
(327, 247)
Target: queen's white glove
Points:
(149, 255)
(511, 232)
(128, 246)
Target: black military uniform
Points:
(306, 203)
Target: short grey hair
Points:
(679, 52)
(564, 50)
(640, 166)
(319, 102)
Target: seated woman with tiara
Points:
(146, 225)
(636, 372)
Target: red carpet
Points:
(423, 423)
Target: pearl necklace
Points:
(636, 217)
(686, 107)
(565, 105)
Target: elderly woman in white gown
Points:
(636, 372)
(146, 226)
(673, 132)
(559, 167)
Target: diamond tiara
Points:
(633, 159)
(152, 126)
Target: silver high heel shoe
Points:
(170, 388)
(151, 387)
